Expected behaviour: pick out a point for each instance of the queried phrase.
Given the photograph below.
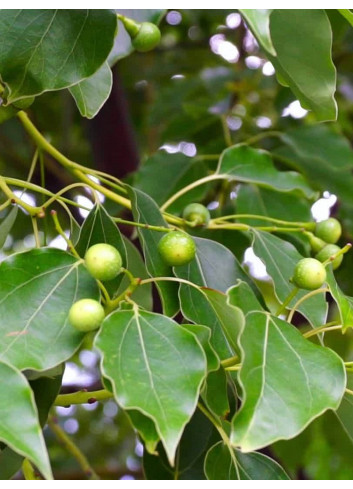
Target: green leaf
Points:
(190, 455)
(259, 22)
(347, 14)
(135, 264)
(37, 289)
(306, 64)
(98, 227)
(20, 428)
(279, 367)
(280, 258)
(323, 156)
(58, 48)
(146, 429)
(91, 94)
(252, 199)
(214, 393)
(6, 225)
(215, 267)
(7, 112)
(221, 464)
(344, 414)
(232, 317)
(10, 463)
(287, 206)
(203, 334)
(246, 164)
(155, 366)
(196, 308)
(122, 44)
(243, 297)
(159, 167)
(45, 390)
(146, 211)
(344, 303)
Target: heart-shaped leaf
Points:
(155, 366)
(37, 289)
(287, 382)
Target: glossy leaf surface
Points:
(155, 366)
(20, 428)
(287, 382)
(37, 289)
(56, 49)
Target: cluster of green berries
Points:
(310, 273)
(103, 262)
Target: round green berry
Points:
(328, 251)
(103, 261)
(177, 248)
(196, 214)
(147, 38)
(329, 230)
(309, 274)
(86, 315)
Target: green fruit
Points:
(24, 103)
(309, 274)
(329, 230)
(147, 38)
(86, 315)
(197, 214)
(316, 243)
(177, 248)
(103, 261)
(328, 251)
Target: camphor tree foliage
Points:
(219, 372)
